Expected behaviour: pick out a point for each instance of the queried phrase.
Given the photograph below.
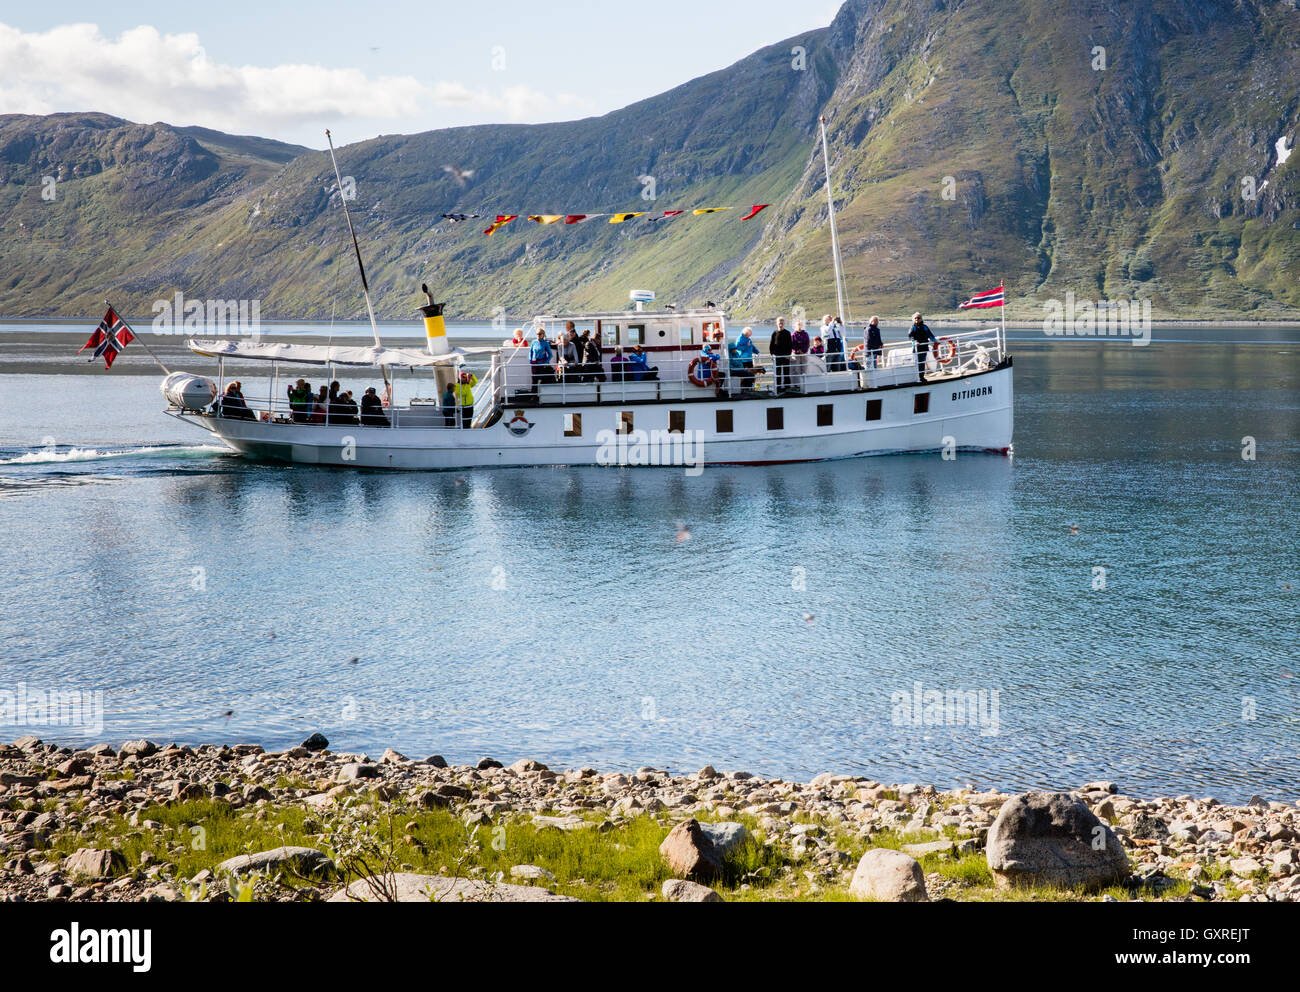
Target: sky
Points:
(288, 71)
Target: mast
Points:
(365, 286)
(835, 240)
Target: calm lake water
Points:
(554, 614)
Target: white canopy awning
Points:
(321, 354)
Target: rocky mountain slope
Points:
(1115, 150)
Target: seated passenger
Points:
(233, 405)
(349, 409)
(372, 410)
(640, 367)
(618, 367)
(320, 407)
(818, 347)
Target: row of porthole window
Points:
(724, 420)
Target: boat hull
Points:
(973, 413)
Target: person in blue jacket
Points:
(744, 351)
(639, 365)
(708, 367)
(540, 356)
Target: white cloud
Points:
(147, 76)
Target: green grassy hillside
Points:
(971, 142)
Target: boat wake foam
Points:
(54, 456)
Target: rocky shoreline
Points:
(134, 823)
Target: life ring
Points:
(855, 354)
(940, 356)
(690, 372)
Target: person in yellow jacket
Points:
(465, 395)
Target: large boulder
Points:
(303, 860)
(91, 863)
(1052, 838)
(689, 853)
(409, 887)
(728, 837)
(889, 876)
(316, 742)
(680, 890)
(355, 771)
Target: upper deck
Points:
(673, 343)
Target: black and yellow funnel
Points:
(435, 330)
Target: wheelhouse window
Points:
(775, 418)
(723, 422)
(825, 414)
(625, 422)
(635, 334)
(874, 409)
(921, 403)
(611, 335)
(573, 425)
(676, 421)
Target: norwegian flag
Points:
(993, 298)
(110, 337)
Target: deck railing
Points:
(511, 379)
(670, 375)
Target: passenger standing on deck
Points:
(872, 345)
(568, 352)
(745, 351)
(799, 344)
(594, 359)
(923, 336)
(833, 335)
(580, 346)
(335, 413)
(779, 346)
(465, 393)
(300, 401)
(449, 405)
(540, 357)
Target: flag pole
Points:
(1002, 345)
(137, 337)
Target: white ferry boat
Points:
(691, 412)
(694, 408)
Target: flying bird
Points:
(457, 173)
